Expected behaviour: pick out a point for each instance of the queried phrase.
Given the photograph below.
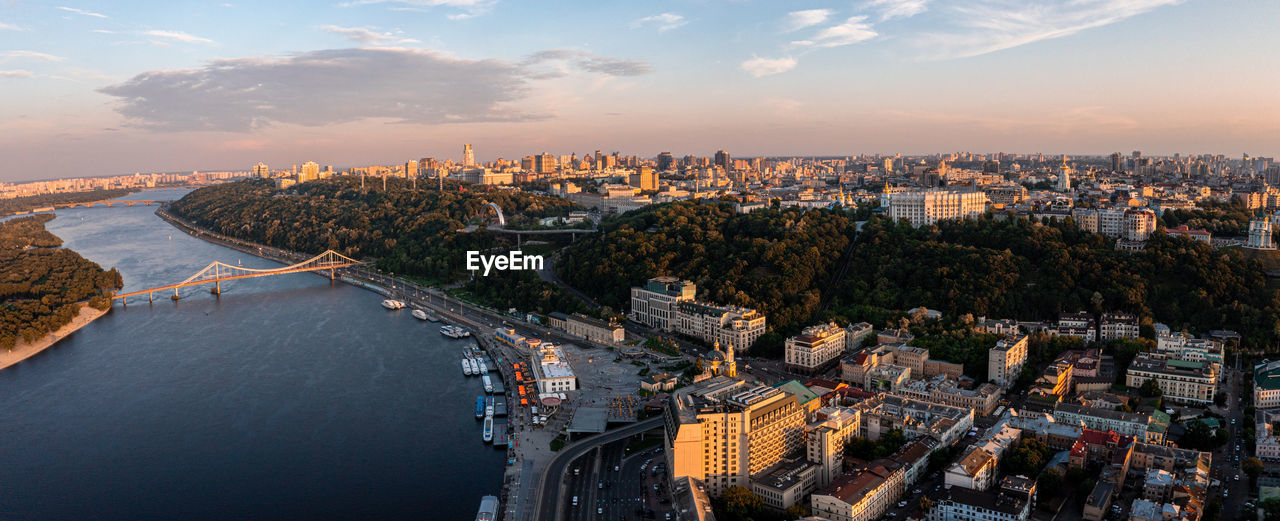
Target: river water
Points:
(286, 398)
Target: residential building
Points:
(1005, 360)
(1002, 327)
(1118, 325)
(552, 370)
(730, 325)
(724, 430)
(1181, 346)
(855, 334)
(594, 329)
(261, 170)
(975, 470)
(1080, 325)
(1267, 444)
(915, 418)
(825, 440)
(1014, 501)
(862, 495)
(815, 349)
(946, 391)
(654, 304)
(785, 484)
(1124, 423)
(1180, 381)
(1139, 224)
(690, 500)
(1266, 384)
(928, 207)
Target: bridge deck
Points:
(282, 271)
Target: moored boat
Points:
(419, 314)
(488, 429)
(392, 304)
(481, 407)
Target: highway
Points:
(553, 498)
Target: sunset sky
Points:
(98, 88)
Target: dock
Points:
(500, 433)
(498, 388)
(499, 406)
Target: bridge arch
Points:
(502, 221)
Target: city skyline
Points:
(101, 89)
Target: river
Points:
(288, 397)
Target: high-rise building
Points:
(1117, 162)
(1005, 361)
(644, 179)
(468, 156)
(544, 163)
(723, 160)
(666, 162)
(261, 170)
(310, 172)
(724, 430)
(411, 169)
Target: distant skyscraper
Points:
(544, 163)
(1117, 162)
(261, 170)
(468, 156)
(411, 169)
(666, 162)
(723, 160)
(310, 172)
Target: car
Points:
(616, 468)
(655, 486)
(600, 485)
(1237, 477)
(599, 510)
(575, 501)
(916, 491)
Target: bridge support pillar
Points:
(332, 276)
(217, 288)
(175, 296)
(151, 298)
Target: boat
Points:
(466, 369)
(392, 304)
(488, 410)
(488, 429)
(480, 407)
(432, 317)
(484, 368)
(419, 314)
(488, 384)
(475, 368)
(453, 331)
(488, 509)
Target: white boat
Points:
(488, 384)
(419, 314)
(472, 370)
(484, 368)
(488, 429)
(488, 508)
(392, 304)
(453, 331)
(488, 410)
(466, 368)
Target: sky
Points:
(102, 88)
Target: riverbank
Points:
(22, 350)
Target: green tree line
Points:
(42, 285)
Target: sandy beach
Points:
(23, 350)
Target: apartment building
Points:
(855, 334)
(923, 208)
(1005, 360)
(654, 304)
(724, 430)
(1080, 325)
(862, 495)
(1125, 423)
(825, 440)
(915, 418)
(1182, 347)
(1118, 325)
(816, 348)
(728, 325)
(947, 391)
(1014, 501)
(785, 484)
(1180, 381)
(1266, 384)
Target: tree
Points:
(1149, 389)
(925, 504)
(797, 512)
(1049, 484)
(1270, 509)
(740, 502)
(1252, 466)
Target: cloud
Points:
(890, 9)
(178, 35)
(9, 27)
(853, 30)
(986, 26)
(334, 86)
(585, 61)
(82, 12)
(30, 55)
(760, 67)
(797, 20)
(102, 31)
(16, 73)
(664, 22)
(366, 35)
(468, 8)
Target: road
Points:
(1227, 460)
(553, 498)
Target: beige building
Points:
(927, 207)
(816, 348)
(1005, 360)
(862, 495)
(654, 304)
(552, 370)
(594, 329)
(825, 440)
(728, 325)
(1179, 380)
(724, 430)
